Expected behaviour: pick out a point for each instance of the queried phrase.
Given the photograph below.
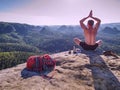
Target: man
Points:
(90, 32)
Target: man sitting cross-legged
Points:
(90, 32)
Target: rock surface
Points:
(86, 71)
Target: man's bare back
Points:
(90, 32)
(90, 36)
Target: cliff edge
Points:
(86, 71)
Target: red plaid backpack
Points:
(40, 63)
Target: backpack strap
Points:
(44, 65)
(37, 63)
(46, 68)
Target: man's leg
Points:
(77, 41)
(99, 42)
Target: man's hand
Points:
(90, 14)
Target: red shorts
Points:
(88, 47)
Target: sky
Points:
(58, 12)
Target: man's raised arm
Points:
(82, 23)
(98, 22)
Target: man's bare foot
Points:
(77, 41)
(99, 42)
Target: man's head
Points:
(90, 22)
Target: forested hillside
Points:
(29, 39)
